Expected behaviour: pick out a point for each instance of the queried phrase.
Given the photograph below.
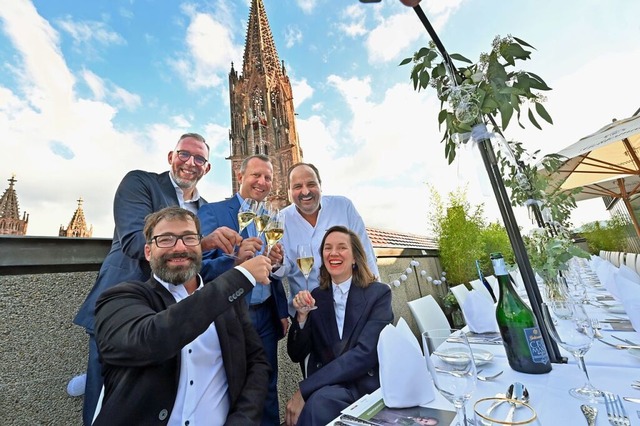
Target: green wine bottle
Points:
(521, 336)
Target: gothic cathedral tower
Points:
(262, 113)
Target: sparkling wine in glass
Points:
(263, 214)
(452, 367)
(274, 231)
(247, 213)
(305, 263)
(572, 329)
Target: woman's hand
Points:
(294, 408)
(301, 303)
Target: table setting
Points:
(478, 387)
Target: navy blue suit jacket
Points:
(139, 194)
(214, 263)
(352, 360)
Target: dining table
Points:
(610, 369)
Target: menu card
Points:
(371, 411)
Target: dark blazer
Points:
(352, 360)
(139, 194)
(225, 213)
(140, 330)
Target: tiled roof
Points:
(382, 238)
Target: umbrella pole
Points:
(510, 223)
(627, 203)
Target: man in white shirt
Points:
(177, 351)
(308, 218)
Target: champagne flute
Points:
(452, 367)
(305, 263)
(274, 231)
(572, 329)
(247, 213)
(263, 213)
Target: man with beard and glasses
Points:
(139, 194)
(175, 350)
(308, 218)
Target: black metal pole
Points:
(510, 223)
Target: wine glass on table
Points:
(305, 263)
(571, 327)
(453, 370)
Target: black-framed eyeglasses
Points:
(169, 240)
(184, 156)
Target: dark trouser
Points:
(94, 382)
(262, 319)
(325, 404)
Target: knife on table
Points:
(627, 398)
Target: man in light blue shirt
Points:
(306, 221)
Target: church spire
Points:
(260, 51)
(10, 222)
(262, 111)
(77, 226)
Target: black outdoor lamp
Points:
(504, 204)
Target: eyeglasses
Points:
(167, 241)
(184, 156)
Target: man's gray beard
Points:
(183, 183)
(176, 275)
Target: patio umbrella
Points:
(605, 163)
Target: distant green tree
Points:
(458, 229)
(610, 236)
(495, 239)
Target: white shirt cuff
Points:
(246, 274)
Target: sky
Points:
(91, 90)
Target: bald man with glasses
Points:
(139, 194)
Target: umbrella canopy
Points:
(605, 163)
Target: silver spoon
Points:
(590, 413)
(516, 392)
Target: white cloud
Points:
(202, 64)
(307, 6)
(126, 99)
(95, 83)
(301, 91)
(292, 36)
(85, 33)
(353, 21)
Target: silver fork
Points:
(615, 410)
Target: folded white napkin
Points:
(630, 296)
(628, 273)
(480, 313)
(404, 378)
(606, 273)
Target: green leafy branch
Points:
(489, 87)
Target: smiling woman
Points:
(352, 310)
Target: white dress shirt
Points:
(335, 210)
(340, 295)
(202, 397)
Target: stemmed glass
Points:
(572, 329)
(247, 213)
(452, 367)
(264, 211)
(274, 231)
(305, 263)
